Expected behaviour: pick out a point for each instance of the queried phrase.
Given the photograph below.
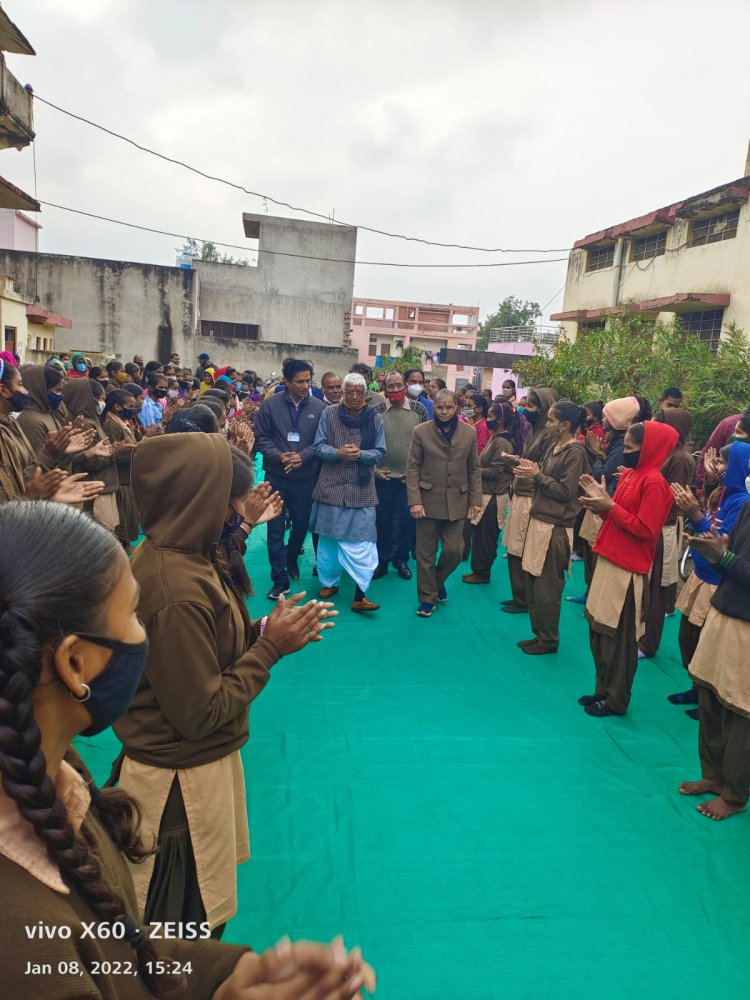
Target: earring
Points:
(82, 698)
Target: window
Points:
(706, 325)
(359, 309)
(592, 324)
(372, 347)
(411, 314)
(714, 230)
(647, 247)
(10, 339)
(389, 312)
(601, 257)
(229, 331)
(385, 349)
(374, 312)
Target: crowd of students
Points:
(378, 470)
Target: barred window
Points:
(598, 258)
(714, 230)
(706, 325)
(229, 331)
(653, 245)
(592, 324)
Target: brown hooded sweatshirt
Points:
(80, 402)
(556, 486)
(205, 665)
(538, 442)
(38, 419)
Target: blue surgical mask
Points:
(54, 399)
(111, 692)
(491, 424)
(81, 367)
(521, 410)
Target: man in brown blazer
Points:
(443, 487)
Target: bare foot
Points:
(703, 787)
(718, 809)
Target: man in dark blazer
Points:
(443, 488)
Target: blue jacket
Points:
(275, 419)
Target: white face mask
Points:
(747, 484)
(414, 390)
(173, 393)
(100, 406)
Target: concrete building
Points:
(690, 259)
(296, 301)
(28, 330)
(385, 327)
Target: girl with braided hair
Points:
(72, 651)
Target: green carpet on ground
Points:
(439, 798)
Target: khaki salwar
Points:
(616, 612)
(514, 538)
(215, 805)
(720, 669)
(546, 558)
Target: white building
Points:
(690, 259)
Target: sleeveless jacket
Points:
(338, 483)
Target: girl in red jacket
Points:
(633, 519)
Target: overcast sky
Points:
(516, 123)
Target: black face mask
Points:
(112, 691)
(159, 393)
(630, 459)
(18, 401)
(532, 416)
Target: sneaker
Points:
(599, 710)
(669, 614)
(576, 558)
(591, 699)
(278, 590)
(442, 595)
(578, 599)
(425, 610)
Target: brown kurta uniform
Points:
(117, 430)
(484, 531)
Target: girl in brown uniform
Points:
(535, 448)
(549, 538)
(497, 476)
(119, 412)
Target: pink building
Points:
(383, 328)
(18, 231)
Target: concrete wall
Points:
(266, 358)
(294, 299)
(117, 307)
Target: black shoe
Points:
(599, 710)
(537, 649)
(292, 569)
(694, 713)
(515, 609)
(403, 570)
(526, 642)
(505, 604)
(381, 570)
(315, 570)
(277, 591)
(591, 699)
(684, 697)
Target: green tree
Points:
(410, 358)
(208, 251)
(510, 312)
(637, 356)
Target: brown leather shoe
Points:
(473, 578)
(365, 605)
(328, 592)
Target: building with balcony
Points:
(383, 328)
(690, 259)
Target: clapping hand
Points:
(685, 501)
(290, 628)
(710, 544)
(595, 444)
(77, 489)
(595, 497)
(261, 504)
(526, 469)
(711, 465)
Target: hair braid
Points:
(23, 768)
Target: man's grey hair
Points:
(444, 393)
(390, 374)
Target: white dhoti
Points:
(358, 559)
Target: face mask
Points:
(467, 411)
(507, 392)
(18, 401)
(173, 393)
(100, 406)
(553, 430)
(112, 691)
(521, 410)
(159, 393)
(630, 459)
(396, 396)
(54, 399)
(81, 366)
(532, 416)
(414, 390)
(491, 425)
(127, 413)
(747, 485)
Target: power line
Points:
(276, 201)
(282, 253)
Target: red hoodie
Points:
(643, 501)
